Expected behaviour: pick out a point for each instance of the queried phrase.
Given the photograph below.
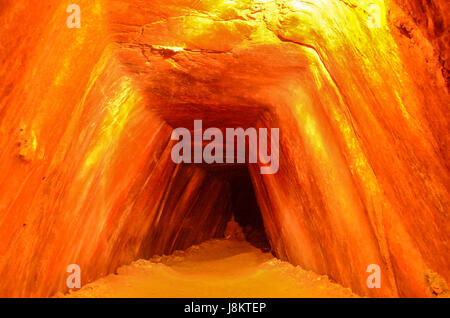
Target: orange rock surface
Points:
(358, 89)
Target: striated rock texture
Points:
(359, 90)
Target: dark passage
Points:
(245, 208)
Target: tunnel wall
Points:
(76, 142)
(196, 207)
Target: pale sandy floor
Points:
(217, 268)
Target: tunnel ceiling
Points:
(361, 101)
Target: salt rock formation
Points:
(358, 89)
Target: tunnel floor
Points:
(216, 268)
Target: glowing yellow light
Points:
(374, 18)
(170, 48)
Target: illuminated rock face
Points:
(361, 101)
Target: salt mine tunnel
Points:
(359, 90)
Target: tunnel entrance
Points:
(200, 204)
